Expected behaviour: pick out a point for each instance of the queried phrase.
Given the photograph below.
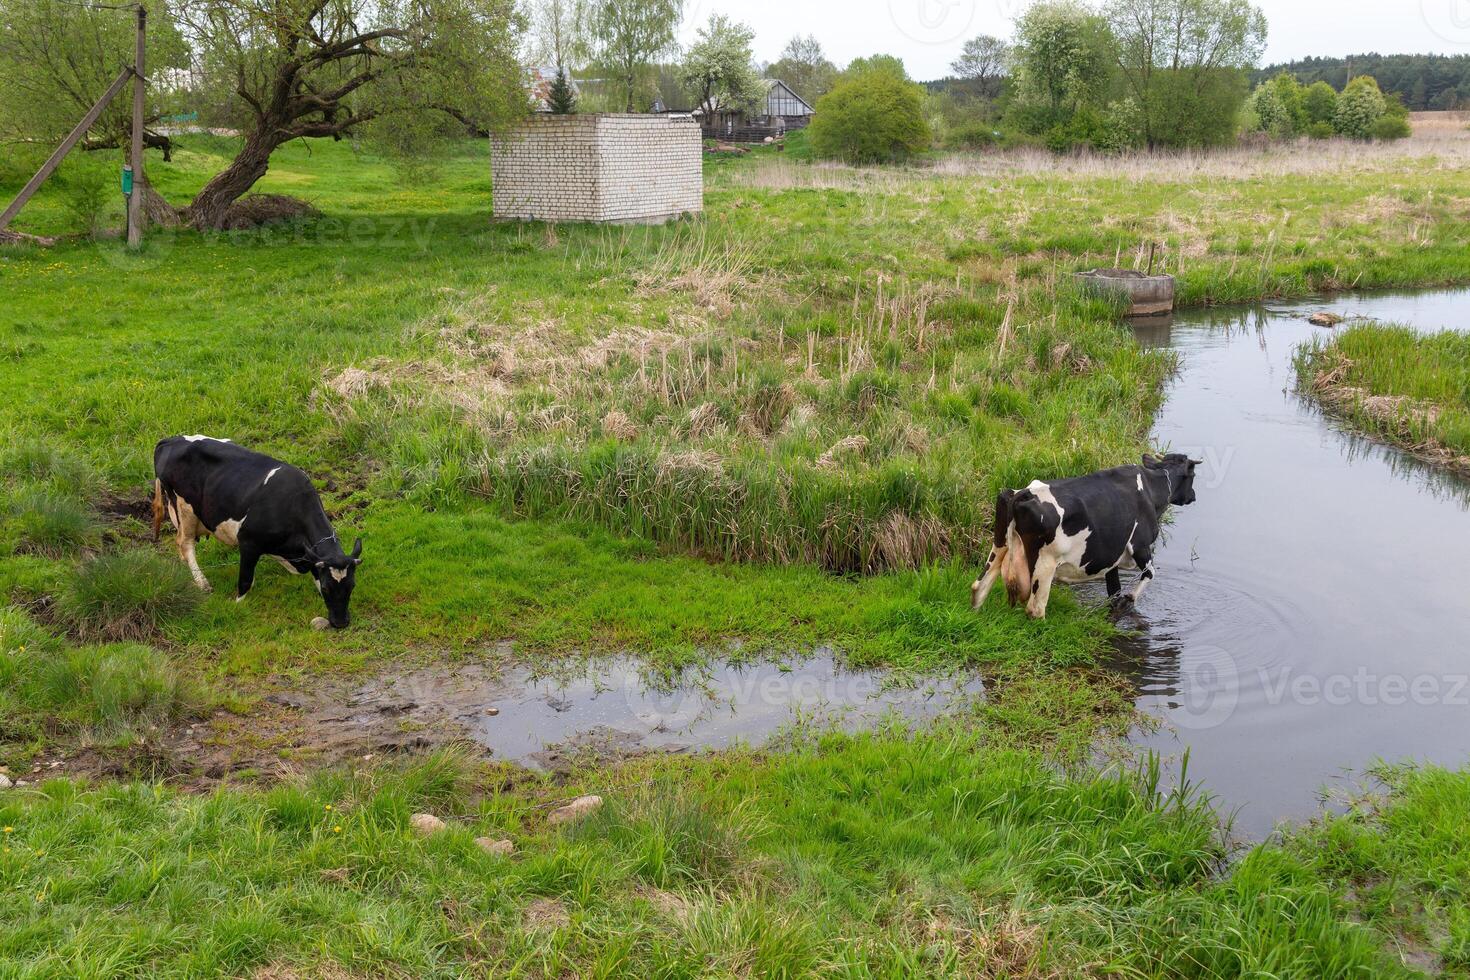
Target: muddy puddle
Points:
(1310, 616)
(609, 709)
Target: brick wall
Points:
(614, 167)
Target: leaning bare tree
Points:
(280, 70)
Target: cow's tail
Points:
(1023, 543)
(157, 508)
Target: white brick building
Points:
(615, 167)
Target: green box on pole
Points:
(127, 181)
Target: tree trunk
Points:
(160, 213)
(210, 208)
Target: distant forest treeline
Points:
(1424, 81)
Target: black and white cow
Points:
(255, 503)
(1083, 528)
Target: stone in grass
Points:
(426, 823)
(5, 782)
(575, 810)
(320, 623)
(496, 848)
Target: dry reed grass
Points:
(1439, 143)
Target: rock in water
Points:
(320, 623)
(426, 823)
(575, 810)
(1324, 319)
(496, 848)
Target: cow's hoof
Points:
(1121, 604)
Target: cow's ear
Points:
(1150, 460)
(321, 566)
(357, 551)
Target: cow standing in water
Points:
(1083, 528)
(257, 504)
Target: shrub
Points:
(1359, 106)
(1272, 114)
(126, 595)
(971, 136)
(872, 118)
(1319, 104)
(42, 522)
(1391, 127)
(1321, 131)
(1085, 129)
(1394, 123)
(86, 188)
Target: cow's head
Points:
(1180, 470)
(335, 578)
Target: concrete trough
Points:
(1146, 295)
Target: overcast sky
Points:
(927, 34)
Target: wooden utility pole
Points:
(135, 162)
(140, 84)
(72, 139)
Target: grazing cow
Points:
(257, 504)
(1083, 528)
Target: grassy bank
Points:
(1409, 388)
(881, 855)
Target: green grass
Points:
(110, 694)
(126, 595)
(775, 428)
(1402, 858)
(1410, 388)
(877, 855)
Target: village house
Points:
(781, 111)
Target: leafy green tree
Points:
(1271, 116)
(874, 117)
(1193, 109)
(1359, 107)
(804, 67)
(628, 37)
(408, 73)
(561, 99)
(984, 63)
(1319, 103)
(1184, 63)
(719, 68)
(1063, 64)
(885, 63)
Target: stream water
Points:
(1311, 614)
